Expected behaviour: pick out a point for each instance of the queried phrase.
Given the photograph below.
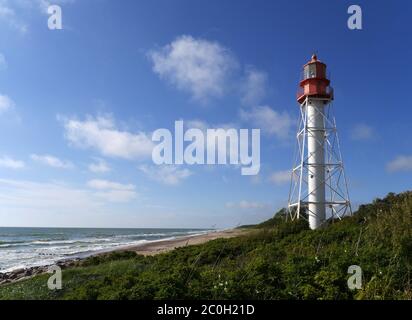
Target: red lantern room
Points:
(314, 82)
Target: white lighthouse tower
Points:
(318, 188)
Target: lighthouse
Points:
(319, 190)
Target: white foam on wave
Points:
(42, 252)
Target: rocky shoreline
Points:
(26, 273)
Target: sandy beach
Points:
(162, 246)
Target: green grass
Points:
(276, 260)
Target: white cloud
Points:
(280, 177)
(101, 134)
(56, 204)
(197, 124)
(169, 175)
(113, 191)
(7, 162)
(9, 16)
(362, 132)
(52, 161)
(198, 66)
(29, 203)
(253, 87)
(99, 166)
(106, 184)
(5, 103)
(3, 62)
(50, 196)
(43, 5)
(269, 121)
(401, 163)
(246, 205)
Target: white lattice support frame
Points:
(318, 188)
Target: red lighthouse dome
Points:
(314, 82)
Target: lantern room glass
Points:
(309, 71)
(314, 70)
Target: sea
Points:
(31, 247)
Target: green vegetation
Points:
(275, 260)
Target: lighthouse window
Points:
(321, 71)
(310, 71)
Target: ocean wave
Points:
(40, 251)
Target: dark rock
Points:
(28, 273)
(18, 271)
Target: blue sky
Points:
(78, 105)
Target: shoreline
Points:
(162, 246)
(145, 249)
